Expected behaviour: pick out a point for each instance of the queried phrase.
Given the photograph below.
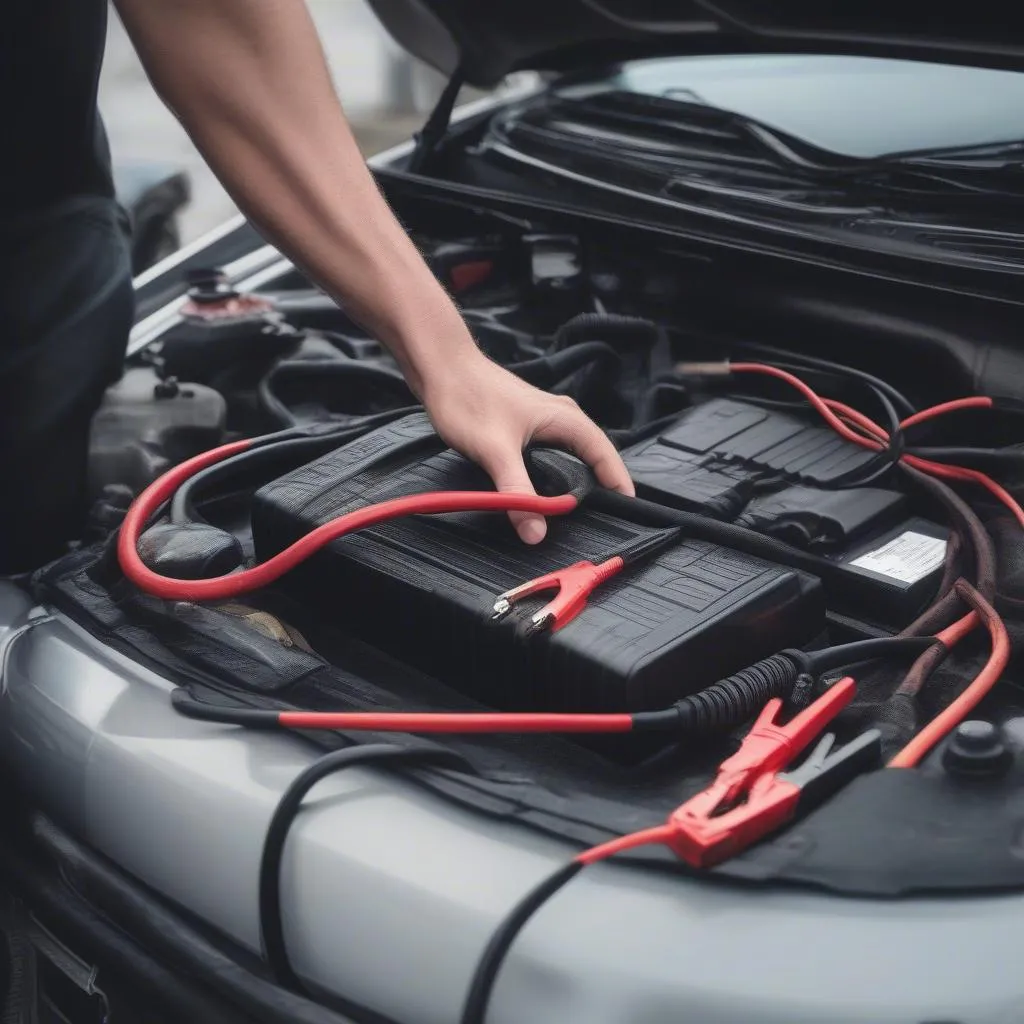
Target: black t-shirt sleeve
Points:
(51, 52)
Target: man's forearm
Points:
(249, 81)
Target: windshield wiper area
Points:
(687, 136)
(684, 120)
(682, 148)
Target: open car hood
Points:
(493, 38)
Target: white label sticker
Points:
(907, 558)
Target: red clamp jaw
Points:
(574, 585)
(749, 799)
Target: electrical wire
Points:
(948, 719)
(779, 357)
(1010, 456)
(275, 950)
(943, 409)
(889, 454)
(960, 474)
(982, 544)
(847, 422)
(719, 707)
(889, 443)
(832, 658)
(485, 975)
(478, 997)
(827, 409)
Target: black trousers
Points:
(66, 306)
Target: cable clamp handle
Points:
(750, 799)
(574, 585)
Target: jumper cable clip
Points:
(750, 799)
(574, 585)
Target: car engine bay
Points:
(769, 530)
(826, 537)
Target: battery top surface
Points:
(423, 588)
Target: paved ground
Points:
(361, 56)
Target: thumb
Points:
(508, 471)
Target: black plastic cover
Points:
(776, 473)
(719, 456)
(424, 588)
(146, 425)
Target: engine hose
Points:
(263, 462)
(274, 407)
(309, 441)
(548, 370)
(270, 456)
(600, 326)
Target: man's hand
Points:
(490, 415)
(248, 80)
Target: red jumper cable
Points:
(750, 796)
(832, 412)
(714, 824)
(573, 584)
(234, 584)
(748, 799)
(991, 672)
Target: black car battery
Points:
(423, 588)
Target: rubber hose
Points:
(272, 460)
(552, 369)
(280, 456)
(597, 326)
(273, 405)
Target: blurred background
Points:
(386, 95)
